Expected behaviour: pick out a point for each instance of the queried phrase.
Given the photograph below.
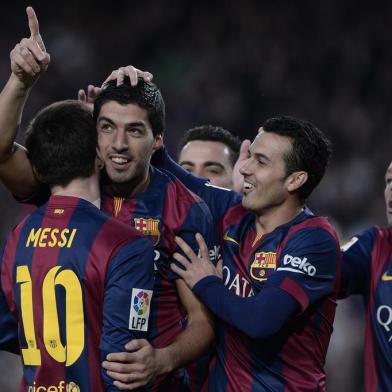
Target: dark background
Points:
(235, 64)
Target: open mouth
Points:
(120, 161)
(247, 187)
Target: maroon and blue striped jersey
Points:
(164, 210)
(79, 285)
(367, 270)
(299, 261)
(300, 258)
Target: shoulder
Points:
(117, 232)
(315, 231)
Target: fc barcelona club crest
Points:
(148, 227)
(262, 266)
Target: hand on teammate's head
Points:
(130, 72)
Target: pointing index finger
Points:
(33, 22)
(34, 27)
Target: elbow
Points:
(261, 331)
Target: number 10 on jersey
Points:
(74, 317)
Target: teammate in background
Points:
(367, 270)
(75, 284)
(211, 152)
(130, 125)
(276, 296)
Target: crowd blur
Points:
(235, 64)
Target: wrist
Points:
(203, 284)
(165, 360)
(16, 84)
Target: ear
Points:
(158, 141)
(36, 174)
(295, 180)
(99, 155)
(99, 163)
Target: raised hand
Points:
(129, 71)
(238, 178)
(29, 58)
(89, 97)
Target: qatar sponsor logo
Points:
(297, 265)
(237, 283)
(384, 318)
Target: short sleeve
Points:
(127, 297)
(356, 263)
(307, 266)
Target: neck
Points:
(83, 188)
(126, 189)
(269, 220)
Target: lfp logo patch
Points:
(140, 309)
(141, 302)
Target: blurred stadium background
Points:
(235, 64)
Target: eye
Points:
(187, 168)
(135, 132)
(214, 170)
(105, 127)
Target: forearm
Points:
(190, 345)
(266, 312)
(163, 160)
(12, 101)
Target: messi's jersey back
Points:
(367, 270)
(164, 210)
(79, 283)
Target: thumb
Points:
(244, 149)
(136, 344)
(219, 268)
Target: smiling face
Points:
(388, 194)
(208, 159)
(265, 172)
(267, 187)
(125, 144)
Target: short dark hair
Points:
(310, 150)
(61, 141)
(212, 133)
(144, 94)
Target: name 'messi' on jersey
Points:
(50, 237)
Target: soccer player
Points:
(130, 125)
(276, 294)
(210, 151)
(78, 282)
(367, 270)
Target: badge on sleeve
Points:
(140, 309)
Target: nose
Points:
(198, 171)
(120, 142)
(245, 168)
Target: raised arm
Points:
(29, 60)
